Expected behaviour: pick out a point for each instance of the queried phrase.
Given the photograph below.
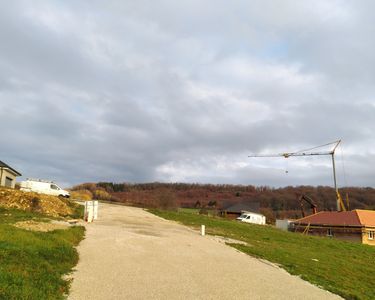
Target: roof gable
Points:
(5, 166)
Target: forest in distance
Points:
(274, 202)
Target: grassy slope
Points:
(343, 268)
(32, 263)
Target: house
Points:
(234, 211)
(357, 225)
(8, 175)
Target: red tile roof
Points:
(366, 217)
(344, 218)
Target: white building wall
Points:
(283, 224)
(4, 174)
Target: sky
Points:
(184, 91)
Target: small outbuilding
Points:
(356, 226)
(284, 224)
(8, 175)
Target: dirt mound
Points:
(46, 204)
(39, 226)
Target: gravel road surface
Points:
(129, 253)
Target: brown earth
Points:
(46, 204)
(40, 226)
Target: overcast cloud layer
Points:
(184, 90)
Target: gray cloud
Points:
(184, 91)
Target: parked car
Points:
(43, 187)
(250, 217)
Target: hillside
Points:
(275, 202)
(338, 266)
(37, 245)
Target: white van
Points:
(43, 187)
(250, 217)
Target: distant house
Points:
(356, 226)
(235, 210)
(8, 175)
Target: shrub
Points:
(35, 204)
(81, 195)
(101, 194)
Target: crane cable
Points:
(305, 150)
(313, 148)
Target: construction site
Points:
(135, 242)
(355, 226)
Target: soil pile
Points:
(39, 226)
(46, 204)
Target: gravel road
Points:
(131, 254)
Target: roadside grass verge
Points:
(78, 210)
(32, 264)
(344, 268)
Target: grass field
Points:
(32, 263)
(344, 268)
(189, 210)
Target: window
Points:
(8, 181)
(54, 187)
(329, 232)
(371, 235)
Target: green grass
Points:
(78, 210)
(189, 210)
(32, 263)
(344, 268)
(11, 215)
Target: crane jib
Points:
(309, 152)
(286, 155)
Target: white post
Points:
(203, 230)
(89, 211)
(85, 212)
(95, 208)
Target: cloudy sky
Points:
(184, 91)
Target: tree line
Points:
(279, 202)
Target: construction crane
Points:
(309, 152)
(309, 201)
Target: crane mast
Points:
(309, 152)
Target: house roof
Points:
(366, 217)
(344, 218)
(239, 207)
(5, 166)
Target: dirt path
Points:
(131, 254)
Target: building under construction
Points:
(355, 226)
